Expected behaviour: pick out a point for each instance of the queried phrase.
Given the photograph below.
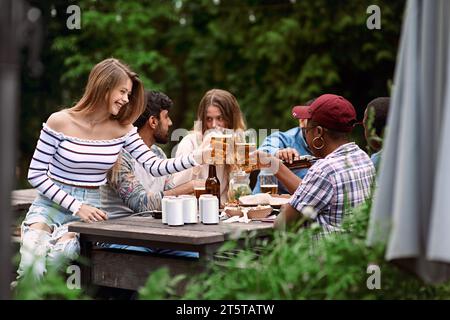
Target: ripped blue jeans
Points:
(38, 247)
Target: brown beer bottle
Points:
(212, 184)
(303, 162)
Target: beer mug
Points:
(220, 140)
(244, 148)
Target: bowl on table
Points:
(259, 212)
(232, 211)
(254, 212)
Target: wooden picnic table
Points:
(129, 269)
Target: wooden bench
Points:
(129, 270)
(21, 200)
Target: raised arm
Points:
(130, 189)
(283, 174)
(152, 163)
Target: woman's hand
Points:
(265, 160)
(210, 152)
(90, 214)
(287, 154)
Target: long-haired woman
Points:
(76, 148)
(218, 109)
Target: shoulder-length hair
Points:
(103, 78)
(228, 106)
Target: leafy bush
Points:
(54, 285)
(294, 266)
(291, 52)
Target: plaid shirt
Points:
(342, 179)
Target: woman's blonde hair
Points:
(228, 105)
(103, 78)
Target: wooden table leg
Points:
(85, 263)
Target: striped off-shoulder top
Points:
(84, 162)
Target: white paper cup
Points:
(174, 212)
(209, 210)
(200, 200)
(163, 208)
(189, 208)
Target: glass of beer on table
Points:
(268, 182)
(199, 190)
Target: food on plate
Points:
(264, 199)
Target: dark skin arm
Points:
(290, 180)
(283, 173)
(287, 217)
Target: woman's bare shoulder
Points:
(121, 130)
(59, 120)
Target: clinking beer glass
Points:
(244, 149)
(220, 143)
(234, 148)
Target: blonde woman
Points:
(217, 109)
(76, 148)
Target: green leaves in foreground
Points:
(294, 266)
(55, 285)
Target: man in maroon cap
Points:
(343, 175)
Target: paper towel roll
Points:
(163, 208)
(200, 200)
(189, 208)
(174, 212)
(209, 210)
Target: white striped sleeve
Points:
(156, 166)
(37, 174)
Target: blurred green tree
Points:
(271, 54)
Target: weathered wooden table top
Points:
(22, 199)
(150, 229)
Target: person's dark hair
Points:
(155, 102)
(380, 107)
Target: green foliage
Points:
(53, 286)
(296, 266)
(290, 53)
(160, 285)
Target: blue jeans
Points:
(169, 252)
(38, 246)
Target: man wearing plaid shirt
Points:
(342, 178)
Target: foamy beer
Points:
(269, 188)
(244, 146)
(219, 143)
(198, 191)
(243, 151)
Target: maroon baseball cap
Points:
(330, 111)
